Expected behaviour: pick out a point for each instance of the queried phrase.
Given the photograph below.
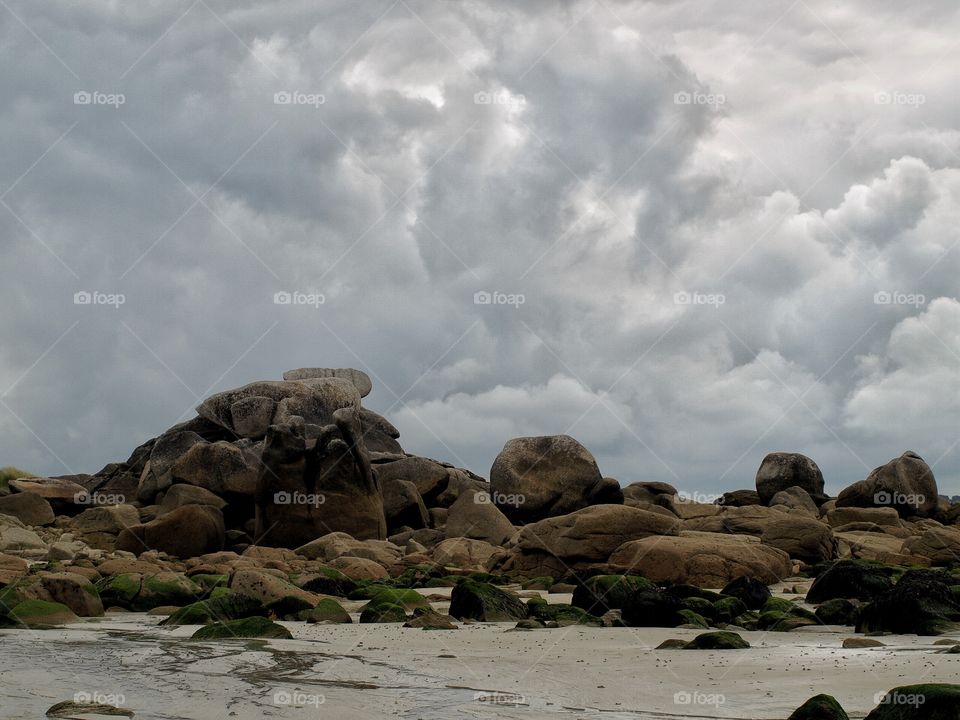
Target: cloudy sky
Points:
(708, 231)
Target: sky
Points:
(685, 233)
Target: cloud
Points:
(699, 206)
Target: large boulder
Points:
(747, 520)
(180, 494)
(702, 559)
(557, 545)
(220, 467)
(905, 483)
(186, 532)
(781, 470)
(802, 538)
(166, 451)
(29, 508)
(403, 506)
(307, 489)
(933, 701)
(940, 544)
(315, 400)
(474, 555)
(482, 601)
(850, 580)
(883, 517)
(921, 603)
(379, 434)
(474, 516)
(74, 591)
(540, 477)
(820, 707)
(430, 477)
(111, 519)
(266, 588)
(360, 380)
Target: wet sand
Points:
(477, 671)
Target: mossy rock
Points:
(700, 606)
(717, 640)
(919, 702)
(838, 611)
(418, 576)
(820, 707)
(853, 580)
(383, 613)
(693, 619)
(748, 621)
(921, 603)
(219, 592)
(119, 590)
(209, 582)
(485, 602)
(231, 606)
(408, 599)
(287, 607)
(538, 583)
(166, 589)
(776, 604)
(41, 614)
(791, 622)
(727, 609)
(327, 611)
(429, 619)
(683, 591)
(561, 613)
(251, 627)
(366, 591)
(601, 593)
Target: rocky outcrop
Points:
(801, 538)
(186, 532)
(540, 477)
(781, 470)
(701, 559)
(940, 544)
(309, 488)
(474, 516)
(921, 603)
(557, 545)
(905, 483)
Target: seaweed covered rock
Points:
(820, 707)
(850, 579)
(750, 591)
(483, 601)
(601, 593)
(919, 702)
(230, 606)
(717, 640)
(838, 611)
(39, 614)
(327, 612)
(652, 608)
(921, 603)
(251, 627)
